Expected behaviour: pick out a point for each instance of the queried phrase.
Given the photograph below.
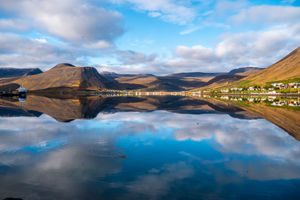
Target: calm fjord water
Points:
(146, 148)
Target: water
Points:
(147, 148)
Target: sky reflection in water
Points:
(150, 155)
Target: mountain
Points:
(70, 78)
(222, 80)
(65, 75)
(178, 81)
(15, 72)
(245, 71)
(286, 68)
(195, 74)
(151, 82)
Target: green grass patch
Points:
(244, 83)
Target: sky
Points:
(141, 36)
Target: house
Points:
(294, 85)
(278, 85)
(250, 89)
(225, 90)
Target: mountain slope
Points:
(64, 76)
(245, 71)
(286, 68)
(222, 80)
(161, 83)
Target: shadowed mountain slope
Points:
(15, 72)
(245, 71)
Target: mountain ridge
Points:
(65, 75)
(13, 72)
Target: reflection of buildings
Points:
(22, 100)
(22, 92)
(286, 103)
(274, 99)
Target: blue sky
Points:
(142, 36)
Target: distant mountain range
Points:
(178, 81)
(65, 75)
(15, 72)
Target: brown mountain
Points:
(151, 82)
(178, 81)
(65, 76)
(229, 78)
(286, 68)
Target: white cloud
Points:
(14, 24)
(228, 7)
(101, 44)
(168, 10)
(154, 186)
(196, 52)
(19, 52)
(75, 21)
(260, 49)
(266, 14)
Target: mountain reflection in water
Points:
(167, 147)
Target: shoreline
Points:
(257, 94)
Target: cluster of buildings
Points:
(274, 86)
(285, 86)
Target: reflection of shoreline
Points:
(65, 110)
(268, 100)
(286, 118)
(165, 153)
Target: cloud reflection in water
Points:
(115, 155)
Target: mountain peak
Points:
(63, 65)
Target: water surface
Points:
(147, 148)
